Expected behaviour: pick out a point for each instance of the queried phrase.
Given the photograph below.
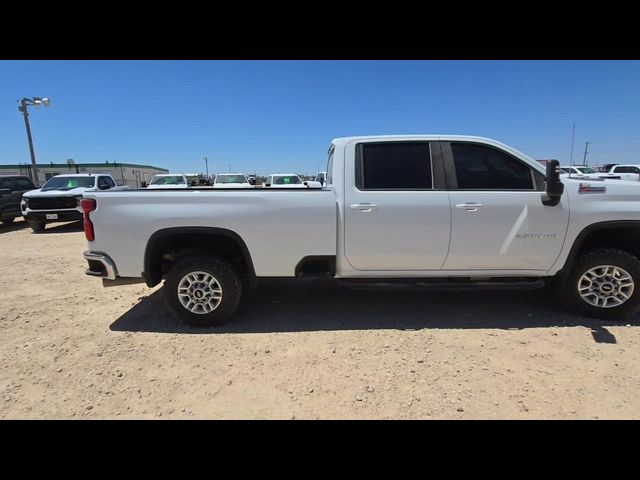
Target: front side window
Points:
(394, 166)
(481, 167)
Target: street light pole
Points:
(36, 101)
(34, 169)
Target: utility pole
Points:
(586, 145)
(573, 136)
(206, 163)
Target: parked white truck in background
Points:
(58, 200)
(231, 180)
(624, 172)
(450, 210)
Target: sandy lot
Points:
(304, 350)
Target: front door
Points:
(498, 219)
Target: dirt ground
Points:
(306, 350)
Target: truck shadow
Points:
(18, 224)
(63, 228)
(320, 305)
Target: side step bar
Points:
(445, 284)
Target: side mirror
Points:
(554, 187)
(252, 181)
(305, 183)
(143, 185)
(193, 183)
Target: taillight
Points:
(88, 205)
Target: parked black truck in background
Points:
(11, 189)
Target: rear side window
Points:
(393, 166)
(480, 167)
(626, 170)
(23, 184)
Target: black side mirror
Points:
(193, 183)
(554, 187)
(252, 181)
(143, 185)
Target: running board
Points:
(444, 284)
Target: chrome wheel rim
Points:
(199, 292)
(606, 286)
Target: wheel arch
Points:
(207, 239)
(595, 236)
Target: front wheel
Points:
(605, 284)
(202, 290)
(37, 225)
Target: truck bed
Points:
(279, 226)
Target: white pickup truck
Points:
(449, 210)
(58, 200)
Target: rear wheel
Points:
(202, 290)
(37, 225)
(604, 283)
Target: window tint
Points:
(481, 167)
(397, 166)
(626, 170)
(23, 184)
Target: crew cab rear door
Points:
(498, 219)
(395, 216)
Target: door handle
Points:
(469, 206)
(364, 207)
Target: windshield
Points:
(169, 180)
(287, 180)
(585, 169)
(231, 179)
(67, 183)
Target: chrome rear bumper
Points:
(100, 265)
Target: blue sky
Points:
(270, 116)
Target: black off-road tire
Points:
(7, 220)
(603, 256)
(225, 274)
(37, 226)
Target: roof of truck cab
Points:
(444, 138)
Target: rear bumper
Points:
(100, 265)
(63, 215)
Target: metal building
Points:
(129, 174)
